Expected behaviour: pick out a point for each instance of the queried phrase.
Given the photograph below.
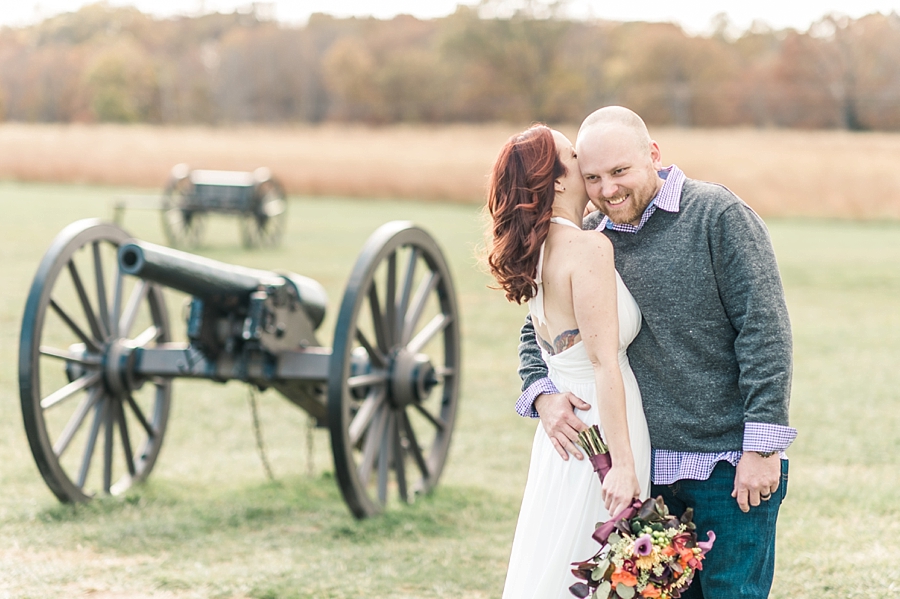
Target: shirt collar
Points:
(667, 199)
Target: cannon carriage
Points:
(256, 198)
(98, 357)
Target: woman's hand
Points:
(620, 487)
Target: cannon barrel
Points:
(225, 285)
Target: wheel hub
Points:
(118, 368)
(412, 378)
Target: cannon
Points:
(97, 357)
(256, 198)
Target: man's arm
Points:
(753, 297)
(541, 399)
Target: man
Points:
(712, 359)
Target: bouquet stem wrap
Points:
(602, 463)
(598, 452)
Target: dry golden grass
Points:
(779, 173)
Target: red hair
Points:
(520, 201)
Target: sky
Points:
(694, 16)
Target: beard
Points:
(629, 211)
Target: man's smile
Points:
(619, 200)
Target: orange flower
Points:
(651, 591)
(669, 551)
(626, 578)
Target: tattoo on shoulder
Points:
(565, 340)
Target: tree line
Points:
(115, 64)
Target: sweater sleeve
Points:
(751, 292)
(531, 364)
(532, 370)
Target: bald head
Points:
(619, 163)
(614, 119)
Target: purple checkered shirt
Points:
(669, 466)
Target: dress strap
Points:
(563, 221)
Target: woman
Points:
(584, 319)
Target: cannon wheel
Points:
(393, 380)
(264, 225)
(76, 401)
(183, 227)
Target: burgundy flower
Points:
(630, 567)
(682, 541)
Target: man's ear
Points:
(655, 155)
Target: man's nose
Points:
(609, 190)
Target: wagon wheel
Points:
(182, 223)
(393, 380)
(264, 225)
(82, 318)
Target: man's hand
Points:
(557, 412)
(755, 479)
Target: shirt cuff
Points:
(525, 403)
(765, 437)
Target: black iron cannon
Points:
(257, 198)
(97, 357)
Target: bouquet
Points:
(645, 552)
(598, 452)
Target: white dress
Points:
(562, 502)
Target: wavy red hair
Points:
(520, 201)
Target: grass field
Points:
(209, 524)
(778, 172)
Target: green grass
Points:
(209, 524)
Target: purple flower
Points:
(643, 545)
(707, 545)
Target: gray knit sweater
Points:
(714, 349)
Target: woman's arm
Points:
(594, 297)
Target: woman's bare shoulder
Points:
(592, 243)
(583, 250)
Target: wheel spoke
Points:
(75, 422)
(99, 412)
(378, 359)
(75, 328)
(436, 421)
(444, 371)
(414, 448)
(364, 415)
(384, 456)
(370, 447)
(151, 432)
(126, 438)
(68, 356)
(138, 295)
(434, 326)
(148, 335)
(108, 429)
(378, 319)
(69, 390)
(364, 380)
(117, 304)
(101, 290)
(399, 459)
(407, 287)
(390, 300)
(85, 302)
(418, 305)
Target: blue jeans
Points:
(741, 564)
